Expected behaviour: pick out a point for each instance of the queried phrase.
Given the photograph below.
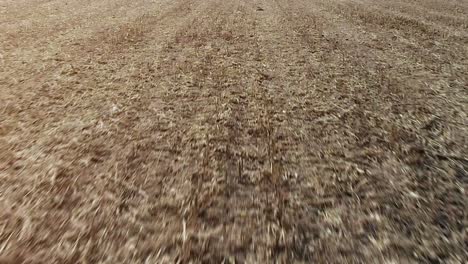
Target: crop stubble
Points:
(236, 131)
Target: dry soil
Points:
(233, 131)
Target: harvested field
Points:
(240, 131)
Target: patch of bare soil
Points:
(208, 131)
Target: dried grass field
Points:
(233, 131)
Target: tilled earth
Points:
(240, 131)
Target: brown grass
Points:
(233, 132)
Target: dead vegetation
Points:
(233, 132)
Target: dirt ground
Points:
(233, 131)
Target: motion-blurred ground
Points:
(235, 131)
